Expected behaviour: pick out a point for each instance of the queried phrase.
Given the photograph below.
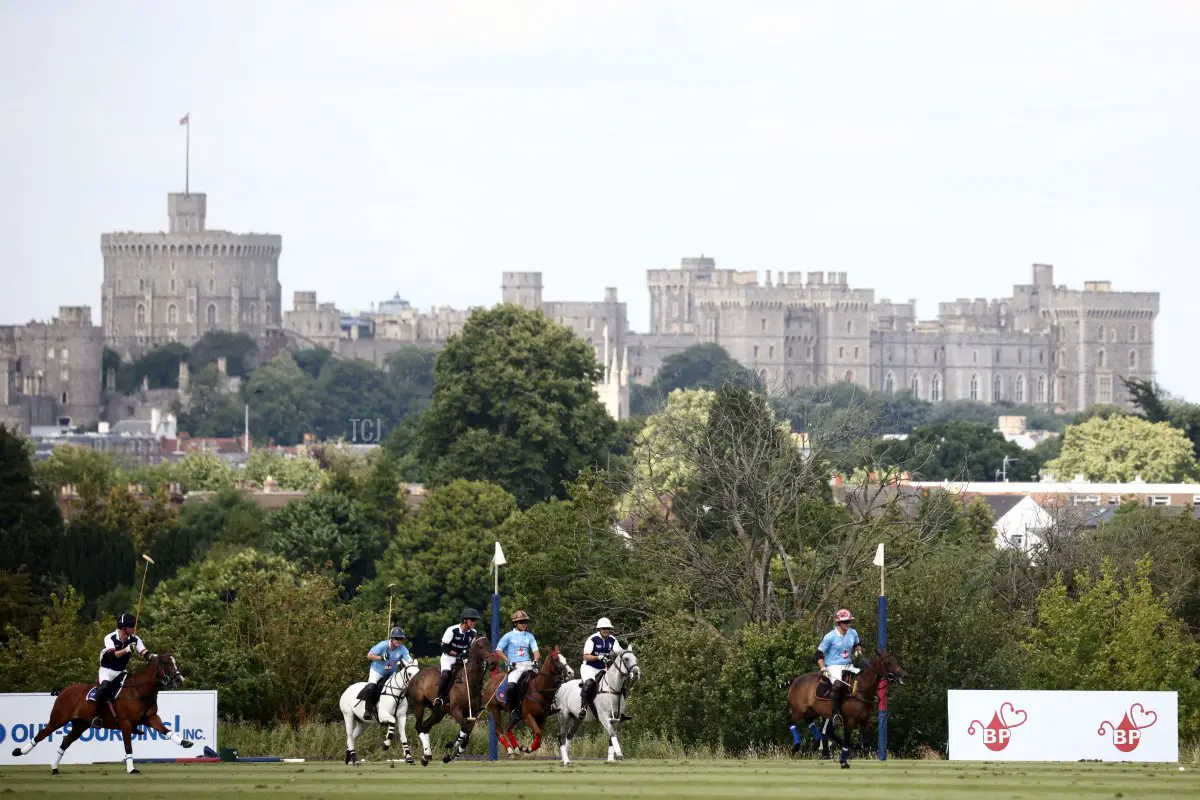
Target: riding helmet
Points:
(604, 622)
(397, 633)
(470, 613)
(520, 616)
(844, 615)
(126, 621)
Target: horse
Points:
(392, 711)
(136, 704)
(536, 704)
(466, 698)
(807, 704)
(609, 704)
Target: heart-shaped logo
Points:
(1012, 716)
(1140, 717)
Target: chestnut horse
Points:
(857, 706)
(535, 705)
(466, 698)
(136, 704)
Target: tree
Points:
(1122, 448)
(159, 368)
(1113, 635)
(30, 522)
(297, 474)
(228, 518)
(80, 467)
(328, 530)
(963, 451)
(312, 360)
(351, 392)
(440, 559)
(514, 403)
(63, 651)
(286, 404)
(202, 471)
(210, 410)
(1157, 406)
(412, 371)
(235, 348)
(701, 366)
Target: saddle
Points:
(825, 687)
(508, 691)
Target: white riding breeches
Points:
(108, 675)
(518, 668)
(375, 677)
(447, 662)
(587, 671)
(843, 672)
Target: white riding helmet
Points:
(604, 622)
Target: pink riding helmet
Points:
(843, 615)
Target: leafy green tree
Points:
(1113, 635)
(762, 657)
(159, 368)
(1120, 448)
(328, 529)
(1157, 405)
(412, 371)
(440, 559)
(202, 471)
(30, 522)
(959, 451)
(312, 360)
(350, 392)
(228, 518)
(662, 458)
(285, 402)
(81, 467)
(515, 404)
(235, 348)
(20, 607)
(701, 366)
(63, 651)
(211, 410)
(299, 473)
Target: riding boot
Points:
(443, 689)
(587, 694)
(836, 700)
(514, 695)
(102, 695)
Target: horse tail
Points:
(786, 684)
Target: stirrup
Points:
(97, 722)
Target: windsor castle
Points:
(1047, 345)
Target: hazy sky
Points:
(931, 150)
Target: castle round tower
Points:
(179, 284)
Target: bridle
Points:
(619, 667)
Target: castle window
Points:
(763, 324)
(268, 313)
(889, 354)
(589, 325)
(974, 395)
(1056, 390)
(141, 286)
(841, 352)
(1020, 395)
(935, 355)
(49, 353)
(935, 389)
(1133, 334)
(850, 376)
(254, 313)
(789, 352)
(211, 269)
(997, 361)
(997, 389)
(1101, 358)
(211, 285)
(210, 315)
(172, 286)
(64, 398)
(791, 379)
(172, 314)
(1104, 393)
(756, 351)
(915, 385)
(889, 383)
(1041, 389)
(66, 354)
(1041, 356)
(1062, 357)
(849, 326)
(1020, 356)
(856, 354)
(771, 351)
(141, 314)
(1100, 333)
(172, 266)
(974, 356)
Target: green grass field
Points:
(534, 780)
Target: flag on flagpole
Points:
(184, 119)
(498, 559)
(879, 555)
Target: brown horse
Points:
(136, 704)
(466, 698)
(535, 704)
(807, 705)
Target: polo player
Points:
(598, 653)
(456, 642)
(119, 646)
(519, 649)
(384, 658)
(836, 655)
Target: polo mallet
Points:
(145, 572)
(391, 586)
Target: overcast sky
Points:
(931, 150)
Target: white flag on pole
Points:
(498, 559)
(878, 555)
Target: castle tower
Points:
(523, 289)
(613, 388)
(179, 284)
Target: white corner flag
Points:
(498, 559)
(878, 555)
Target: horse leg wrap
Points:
(56, 759)
(795, 734)
(129, 762)
(537, 742)
(815, 730)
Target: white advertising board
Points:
(1063, 726)
(192, 714)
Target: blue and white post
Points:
(497, 560)
(882, 644)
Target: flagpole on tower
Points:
(186, 122)
(497, 561)
(882, 643)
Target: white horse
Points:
(392, 710)
(610, 704)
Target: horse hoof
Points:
(16, 752)
(795, 748)
(409, 760)
(845, 765)
(135, 771)
(54, 771)
(186, 745)
(446, 759)
(424, 761)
